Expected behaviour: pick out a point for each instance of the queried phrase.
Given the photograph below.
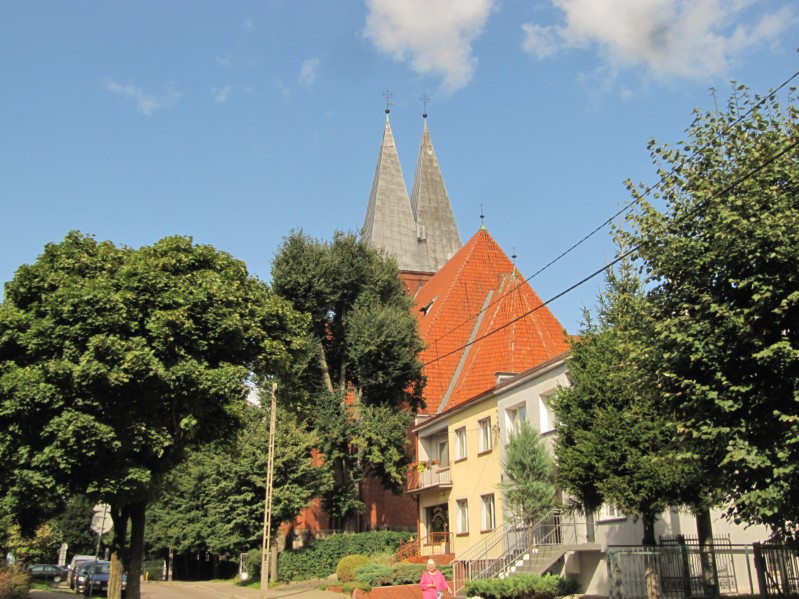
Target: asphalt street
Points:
(210, 590)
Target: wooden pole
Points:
(270, 467)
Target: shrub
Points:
(253, 564)
(14, 583)
(348, 587)
(374, 575)
(345, 570)
(319, 558)
(521, 586)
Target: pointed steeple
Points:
(437, 233)
(389, 220)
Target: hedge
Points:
(319, 558)
(521, 586)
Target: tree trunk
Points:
(135, 554)
(707, 553)
(118, 551)
(324, 368)
(589, 526)
(649, 529)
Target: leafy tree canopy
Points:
(367, 374)
(722, 260)
(113, 361)
(215, 500)
(614, 443)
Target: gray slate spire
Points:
(389, 220)
(437, 233)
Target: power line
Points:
(626, 207)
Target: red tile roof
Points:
(476, 318)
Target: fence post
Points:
(760, 569)
(686, 566)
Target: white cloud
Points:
(686, 38)
(146, 103)
(221, 95)
(308, 70)
(248, 24)
(223, 60)
(434, 37)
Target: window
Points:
(489, 515)
(545, 421)
(610, 512)
(486, 438)
(516, 416)
(463, 515)
(460, 443)
(443, 453)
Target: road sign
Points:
(101, 519)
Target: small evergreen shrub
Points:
(373, 574)
(345, 571)
(253, 564)
(348, 587)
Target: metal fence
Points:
(676, 569)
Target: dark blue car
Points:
(96, 582)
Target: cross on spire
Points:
(424, 100)
(388, 95)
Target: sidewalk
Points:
(294, 590)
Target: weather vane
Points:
(424, 100)
(482, 216)
(388, 95)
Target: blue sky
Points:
(234, 122)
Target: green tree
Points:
(113, 361)
(74, 526)
(214, 501)
(722, 264)
(614, 443)
(366, 379)
(528, 489)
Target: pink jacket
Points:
(437, 578)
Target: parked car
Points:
(84, 570)
(48, 572)
(96, 582)
(75, 565)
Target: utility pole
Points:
(270, 467)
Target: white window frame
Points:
(463, 516)
(488, 512)
(442, 453)
(486, 435)
(546, 419)
(460, 443)
(516, 415)
(608, 511)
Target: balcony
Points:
(429, 477)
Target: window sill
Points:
(485, 452)
(462, 534)
(606, 519)
(485, 530)
(459, 460)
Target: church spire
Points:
(389, 220)
(432, 211)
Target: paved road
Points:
(209, 590)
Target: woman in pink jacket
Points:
(433, 582)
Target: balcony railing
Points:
(430, 477)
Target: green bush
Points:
(348, 587)
(253, 564)
(318, 559)
(521, 586)
(345, 570)
(14, 583)
(375, 575)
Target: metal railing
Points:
(436, 543)
(498, 554)
(435, 476)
